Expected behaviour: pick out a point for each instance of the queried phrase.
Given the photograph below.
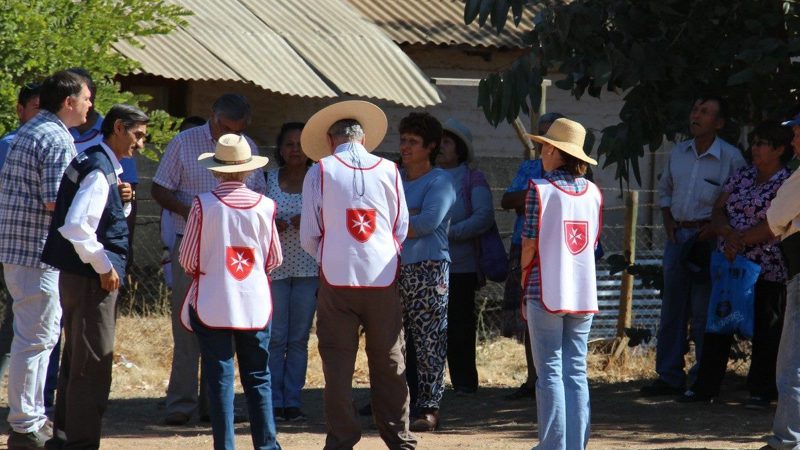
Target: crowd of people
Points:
(390, 249)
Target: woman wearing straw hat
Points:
(471, 216)
(229, 246)
(562, 223)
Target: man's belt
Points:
(790, 247)
(691, 223)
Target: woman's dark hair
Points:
(425, 126)
(777, 135)
(461, 147)
(57, 87)
(573, 165)
(285, 129)
(129, 115)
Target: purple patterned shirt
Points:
(746, 207)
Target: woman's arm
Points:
(435, 207)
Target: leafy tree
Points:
(40, 37)
(659, 53)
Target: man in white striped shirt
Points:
(178, 180)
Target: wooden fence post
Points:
(626, 287)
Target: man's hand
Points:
(109, 281)
(295, 221)
(706, 232)
(126, 192)
(282, 225)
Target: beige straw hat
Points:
(314, 139)
(232, 154)
(567, 136)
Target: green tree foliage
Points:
(40, 37)
(659, 53)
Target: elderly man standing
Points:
(88, 243)
(353, 221)
(28, 186)
(689, 185)
(178, 180)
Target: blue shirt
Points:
(5, 144)
(429, 199)
(28, 180)
(529, 169)
(466, 228)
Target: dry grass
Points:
(143, 355)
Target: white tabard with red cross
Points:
(359, 248)
(569, 225)
(233, 289)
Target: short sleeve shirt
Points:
(746, 207)
(29, 179)
(180, 172)
(296, 262)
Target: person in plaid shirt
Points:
(29, 182)
(178, 180)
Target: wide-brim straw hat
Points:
(463, 133)
(232, 154)
(314, 139)
(567, 136)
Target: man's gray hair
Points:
(232, 107)
(349, 128)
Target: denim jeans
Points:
(294, 301)
(684, 298)
(559, 344)
(786, 426)
(217, 347)
(37, 323)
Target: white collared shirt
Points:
(83, 216)
(691, 183)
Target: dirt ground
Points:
(620, 419)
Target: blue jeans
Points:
(558, 344)
(217, 347)
(37, 323)
(685, 301)
(786, 426)
(294, 301)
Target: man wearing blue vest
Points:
(88, 242)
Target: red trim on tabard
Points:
(199, 319)
(574, 194)
(539, 267)
(237, 207)
(269, 252)
(600, 215)
(359, 168)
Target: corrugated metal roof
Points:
(440, 22)
(349, 51)
(315, 48)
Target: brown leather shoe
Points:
(428, 420)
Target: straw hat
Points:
(463, 133)
(567, 136)
(232, 154)
(314, 139)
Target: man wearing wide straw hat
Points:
(353, 222)
(562, 224)
(230, 245)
